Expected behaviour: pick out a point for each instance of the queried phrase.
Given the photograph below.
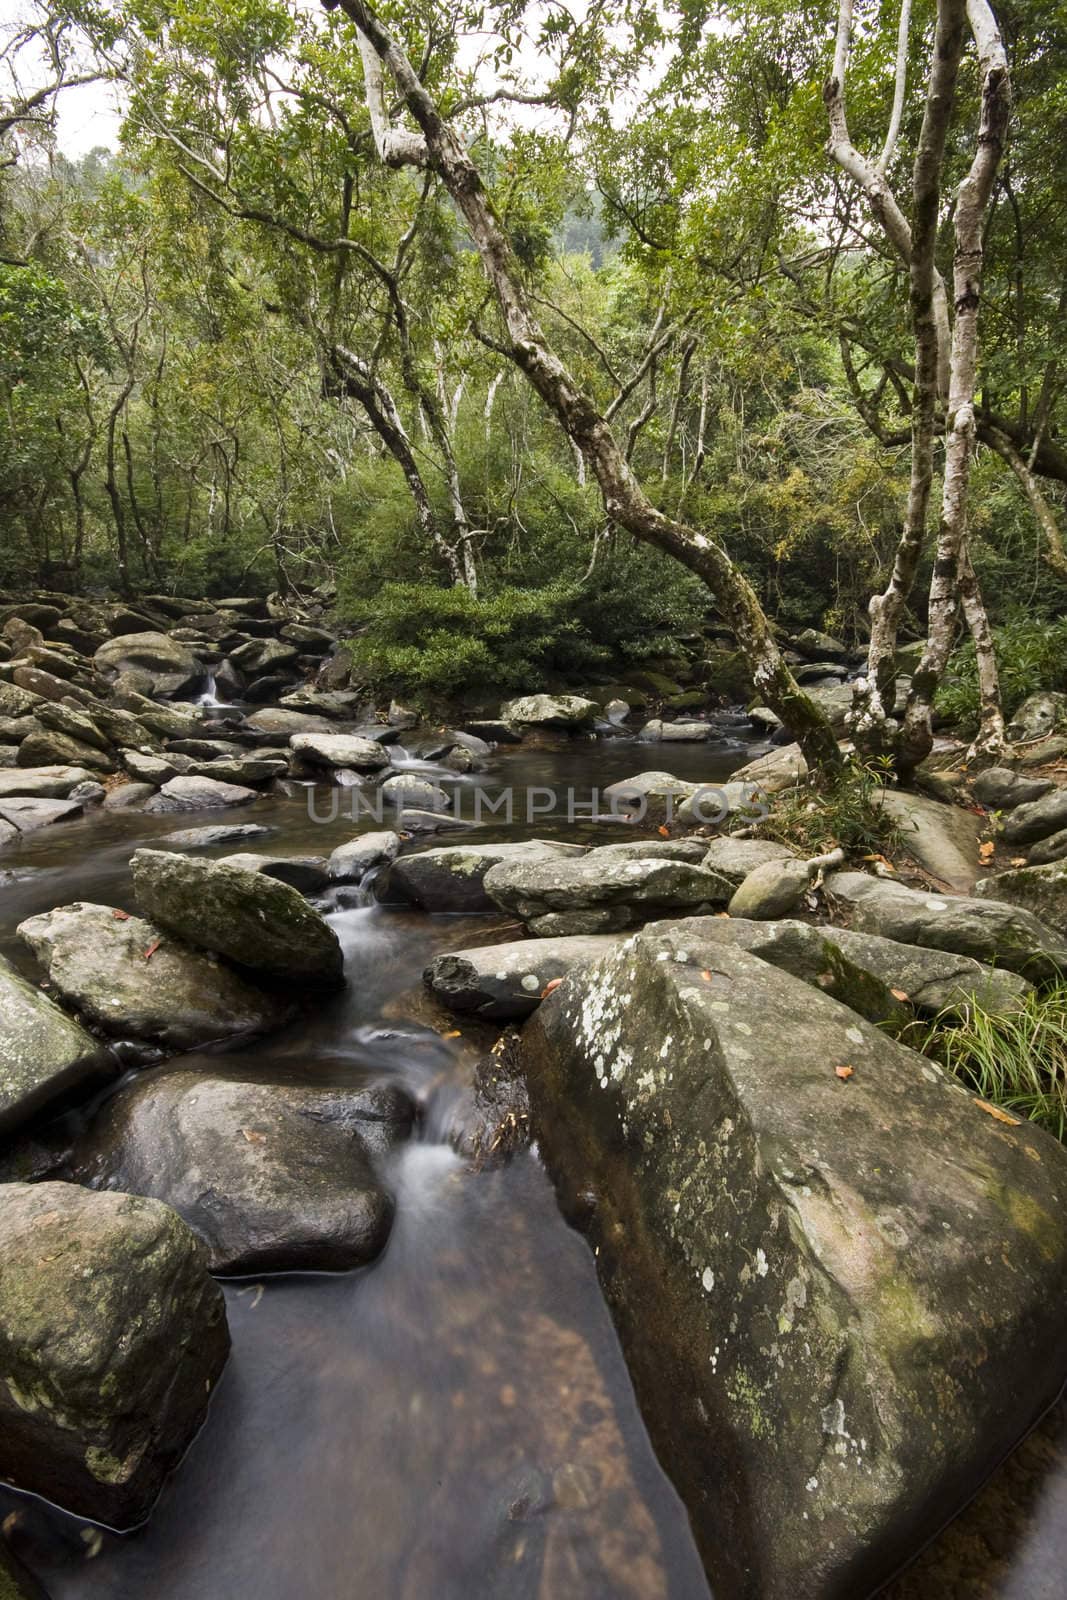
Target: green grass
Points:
(1016, 1060)
(844, 809)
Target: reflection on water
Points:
(454, 1422)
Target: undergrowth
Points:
(844, 810)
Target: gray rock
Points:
(413, 821)
(654, 850)
(49, 748)
(733, 859)
(789, 1256)
(112, 1337)
(335, 707)
(453, 878)
(128, 796)
(155, 769)
(817, 646)
(218, 833)
(260, 656)
(987, 930)
(407, 788)
(77, 725)
(1002, 789)
(307, 874)
(566, 711)
(676, 732)
(594, 894)
(16, 702)
(28, 815)
(781, 768)
(249, 918)
(617, 711)
(1054, 848)
(340, 750)
(98, 961)
(943, 839)
(171, 666)
(772, 889)
(351, 862)
(253, 771)
(1029, 823)
(198, 794)
(42, 783)
(651, 796)
(274, 720)
(44, 1055)
(1038, 716)
(271, 1176)
(89, 793)
(507, 981)
(1040, 889)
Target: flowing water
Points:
(455, 1421)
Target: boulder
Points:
(319, 703)
(507, 981)
(128, 796)
(494, 730)
(816, 646)
(340, 750)
(351, 862)
(112, 1337)
(566, 711)
(253, 771)
(77, 725)
(170, 665)
(253, 920)
(45, 1056)
(199, 794)
(772, 889)
(942, 839)
(1002, 789)
(260, 656)
(733, 859)
(595, 894)
(271, 1176)
(146, 767)
(131, 979)
(1038, 716)
(16, 702)
(1054, 848)
(42, 783)
(219, 833)
(48, 748)
(27, 815)
(1040, 889)
(407, 788)
(307, 874)
(676, 732)
(648, 796)
(452, 878)
(1037, 820)
(837, 1278)
(987, 930)
(654, 850)
(782, 768)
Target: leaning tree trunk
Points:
(624, 501)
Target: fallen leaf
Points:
(121, 916)
(706, 975)
(995, 1111)
(253, 1136)
(663, 830)
(986, 850)
(152, 948)
(899, 994)
(452, 1033)
(844, 1072)
(1018, 861)
(553, 983)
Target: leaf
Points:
(121, 916)
(152, 948)
(253, 1136)
(844, 1073)
(452, 1033)
(899, 994)
(663, 830)
(553, 983)
(995, 1111)
(986, 850)
(706, 975)
(1018, 861)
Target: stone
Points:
(1054, 848)
(306, 874)
(987, 930)
(251, 919)
(16, 702)
(128, 796)
(942, 839)
(781, 768)
(27, 815)
(340, 750)
(594, 894)
(505, 982)
(407, 788)
(168, 722)
(815, 646)
(1037, 820)
(171, 666)
(351, 862)
(260, 656)
(1039, 715)
(45, 1056)
(320, 703)
(49, 748)
(75, 724)
(215, 834)
(45, 685)
(315, 640)
(676, 732)
(413, 821)
(97, 961)
(654, 850)
(772, 889)
(565, 711)
(271, 1176)
(493, 730)
(617, 711)
(648, 796)
(1040, 889)
(42, 783)
(253, 771)
(733, 859)
(112, 1337)
(792, 1257)
(198, 794)
(1002, 789)
(453, 878)
(155, 769)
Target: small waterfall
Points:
(209, 697)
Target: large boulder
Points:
(283, 724)
(1002, 788)
(351, 862)
(45, 1056)
(781, 768)
(170, 665)
(271, 1176)
(42, 783)
(942, 839)
(1040, 889)
(112, 1337)
(507, 981)
(27, 814)
(566, 711)
(733, 859)
(188, 793)
(838, 1278)
(348, 750)
(648, 796)
(130, 978)
(1039, 715)
(1038, 819)
(595, 894)
(48, 747)
(988, 930)
(252, 919)
(260, 656)
(453, 878)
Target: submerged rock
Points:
(507, 981)
(112, 1336)
(271, 1176)
(252, 919)
(838, 1279)
(28, 815)
(214, 834)
(595, 894)
(44, 1055)
(129, 978)
(453, 878)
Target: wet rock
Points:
(1038, 716)
(171, 666)
(128, 796)
(307, 874)
(44, 1055)
(251, 919)
(494, 730)
(351, 862)
(42, 783)
(198, 794)
(48, 748)
(987, 930)
(413, 821)
(218, 833)
(452, 878)
(271, 1176)
(1040, 889)
(27, 815)
(790, 1255)
(1037, 820)
(112, 1336)
(676, 732)
(339, 750)
(131, 979)
(496, 1121)
(1002, 789)
(595, 894)
(733, 859)
(943, 839)
(507, 981)
(565, 711)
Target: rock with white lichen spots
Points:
(601, 893)
(838, 1278)
(507, 981)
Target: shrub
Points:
(843, 810)
(1031, 655)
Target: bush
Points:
(1031, 655)
(843, 810)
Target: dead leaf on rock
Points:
(995, 1111)
(152, 948)
(899, 994)
(121, 916)
(253, 1136)
(844, 1072)
(553, 983)
(986, 850)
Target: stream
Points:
(455, 1421)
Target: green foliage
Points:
(1017, 1060)
(1031, 655)
(843, 810)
